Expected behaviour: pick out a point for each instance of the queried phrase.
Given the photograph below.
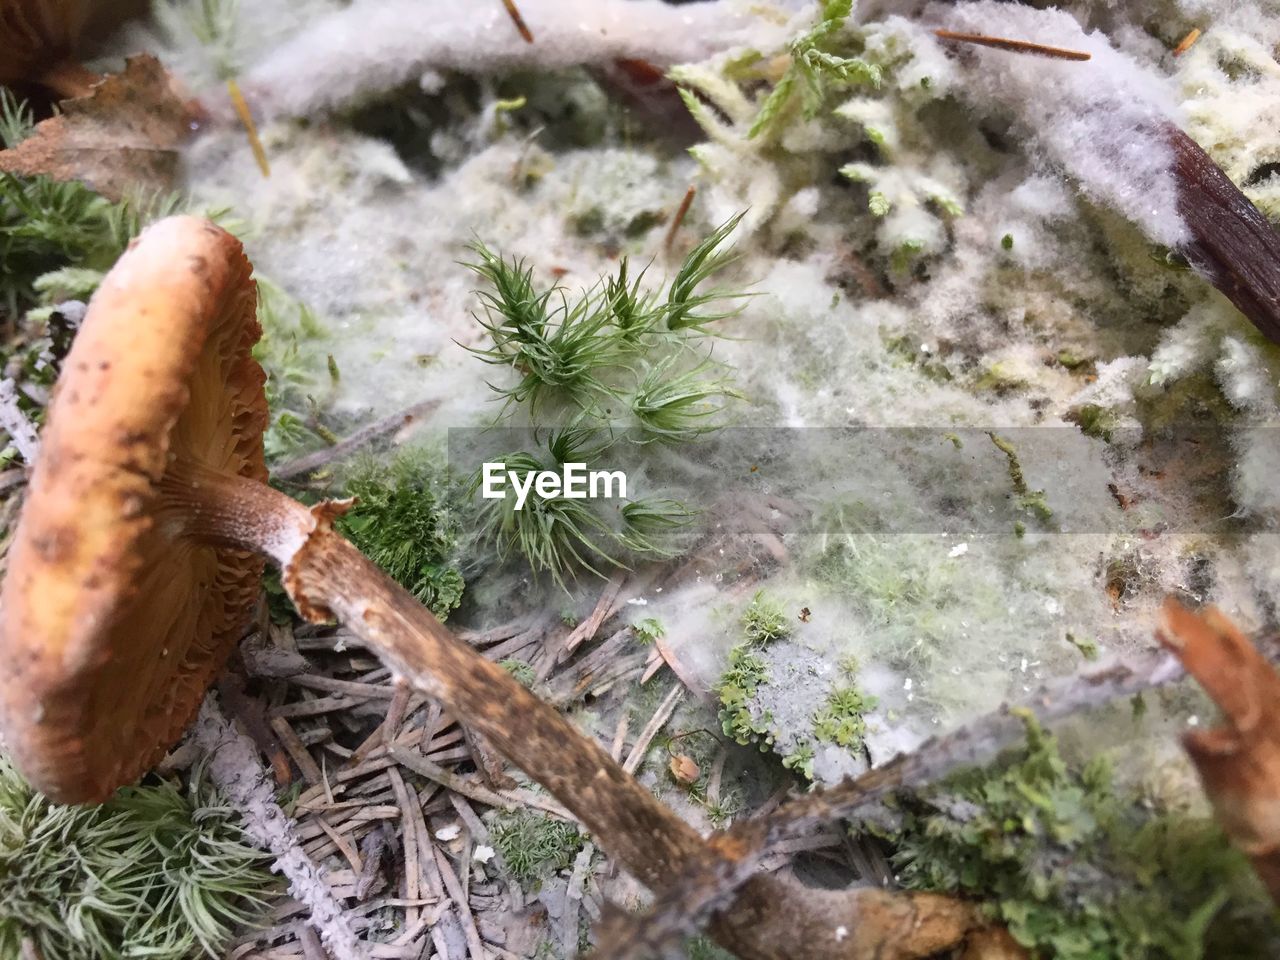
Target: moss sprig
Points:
(616, 366)
(405, 522)
(154, 872)
(533, 845)
(815, 67)
(1078, 871)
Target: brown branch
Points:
(1232, 244)
(348, 445)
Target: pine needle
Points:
(514, 12)
(1015, 46)
(246, 119)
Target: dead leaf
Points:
(125, 134)
(684, 769)
(1239, 762)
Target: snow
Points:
(1098, 121)
(377, 45)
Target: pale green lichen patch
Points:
(1077, 870)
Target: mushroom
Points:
(39, 38)
(135, 563)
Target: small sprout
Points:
(334, 374)
(557, 347)
(647, 523)
(814, 69)
(764, 621)
(649, 630)
(678, 407)
(556, 536)
(635, 313)
(1006, 242)
(685, 298)
(878, 204)
(511, 105)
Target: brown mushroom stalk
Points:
(329, 579)
(136, 564)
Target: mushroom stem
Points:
(329, 579)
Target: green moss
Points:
(1071, 360)
(928, 364)
(617, 364)
(1006, 242)
(1095, 421)
(403, 522)
(764, 621)
(704, 948)
(648, 630)
(737, 689)
(841, 719)
(154, 872)
(1000, 379)
(800, 760)
(816, 70)
(519, 669)
(1076, 871)
(1031, 501)
(534, 845)
(1088, 648)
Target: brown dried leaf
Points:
(1239, 762)
(125, 134)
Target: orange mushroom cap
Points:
(113, 622)
(36, 34)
